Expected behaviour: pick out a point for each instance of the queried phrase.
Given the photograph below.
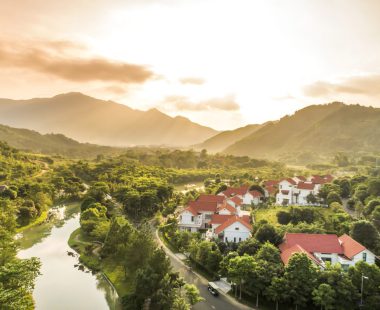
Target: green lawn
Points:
(269, 214)
(42, 218)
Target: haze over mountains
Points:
(87, 119)
(318, 129)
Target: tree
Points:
(267, 232)
(333, 197)
(17, 282)
(192, 294)
(371, 292)
(311, 199)
(374, 187)
(99, 191)
(365, 233)
(276, 291)
(324, 296)
(283, 217)
(249, 246)
(376, 217)
(301, 277)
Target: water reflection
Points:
(61, 285)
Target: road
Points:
(222, 302)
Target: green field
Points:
(269, 214)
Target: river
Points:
(62, 286)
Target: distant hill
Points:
(224, 139)
(318, 128)
(53, 144)
(87, 119)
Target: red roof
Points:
(231, 221)
(220, 218)
(271, 190)
(271, 183)
(320, 243)
(199, 206)
(290, 180)
(317, 179)
(256, 193)
(237, 200)
(232, 191)
(328, 177)
(350, 246)
(210, 198)
(287, 253)
(228, 207)
(304, 185)
(191, 210)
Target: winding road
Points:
(222, 302)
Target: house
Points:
(297, 190)
(197, 215)
(223, 218)
(231, 228)
(247, 197)
(322, 248)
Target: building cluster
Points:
(221, 216)
(298, 190)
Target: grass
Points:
(39, 220)
(269, 214)
(111, 267)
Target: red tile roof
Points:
(210, 198)
(220, 218)
(191, 210)
(256, 193)
(350, 246)
(231, 221)
(237, 200)
(304, 185)
(321, 243)
(203, 206)
(271, 183)
(232, 191)
(287, 253)
(227, 207)
(290, 180)
(271, 190)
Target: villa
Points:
(322, 248)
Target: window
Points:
(239, 239)
(192, 218)
(234, 239)
(226, 239)
(364, 257)
(236, 228)
(326, 259)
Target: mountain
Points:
(317, 129)
(87, 119)
(52, 144)
(224, 139)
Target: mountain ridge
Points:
(92, 120)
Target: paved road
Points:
(221, 302)
(347, 209)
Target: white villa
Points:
(295, 191)
(220, 216)
(322, 248)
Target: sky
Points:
(223, 64)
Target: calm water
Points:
(61, 285)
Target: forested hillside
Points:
(323, 129)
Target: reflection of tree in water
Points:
(38, 233)
(110, 293)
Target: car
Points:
(213, 289)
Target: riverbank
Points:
(112, 269)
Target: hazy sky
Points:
(220, 63)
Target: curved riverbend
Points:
(62, 285)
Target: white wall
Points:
(236, 235)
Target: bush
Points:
(283, 217)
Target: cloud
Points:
(115, 89)
(355, 85)
(51, 58)
(180, 103)
(192, 80)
